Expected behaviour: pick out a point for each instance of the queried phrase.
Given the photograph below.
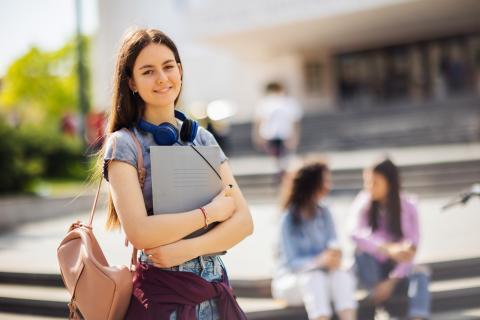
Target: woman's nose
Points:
(161, 77)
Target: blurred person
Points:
(68, 124)
(309, 262)
(386, 236)
(175, 277)
(95, 129)
(276, 128)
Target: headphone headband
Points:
(180, 116)
(166, 134)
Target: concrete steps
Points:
(423, 179)
(452, 121)
(455, 287)
(11, 316)
(447, 296)
(459, 295)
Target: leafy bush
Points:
(27, 154)
(15, 174)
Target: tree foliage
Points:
(41, 86)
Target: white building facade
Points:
(328, 53)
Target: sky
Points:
(47, 24)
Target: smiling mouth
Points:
(162, 91)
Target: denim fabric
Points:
(300, 244)
(209, 268)
(370, 272)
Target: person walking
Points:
(276, 128)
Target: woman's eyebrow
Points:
(146, 66)
(152, 66)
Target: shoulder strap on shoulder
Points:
(140, 168)
(92, 212)
(141, 179)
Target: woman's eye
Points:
(148, 72)
(169, 67)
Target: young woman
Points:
(309, 257)
(386, 236)
(176, 277)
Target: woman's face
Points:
(326, 187)
(157, 77)
(376, 184)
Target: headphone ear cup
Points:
(185, 130)
(194, 130)
(165, 134)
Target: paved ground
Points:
(446, 235)
(363, 158)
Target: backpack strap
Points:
(141, 178)
(92, 212)
(140, 168)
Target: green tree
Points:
(41, 86)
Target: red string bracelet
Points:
(205, 216)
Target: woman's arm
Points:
(221, 238)
(289, 250)
(411, 237)
(330, 229)
(360, 232)
(145, 231)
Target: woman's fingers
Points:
(228, 190)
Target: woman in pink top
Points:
(386, 236)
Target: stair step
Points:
(441, 270)
(430, 123)
(447, 295)
(467, 314)
(462, 294)
(56, 309)
(34, 293)
(455, 284)
(421, 179)
(12, 316)
(260, 304)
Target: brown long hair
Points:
(393, 206)
(127, 108)
(301, 198)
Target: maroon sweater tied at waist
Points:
(157, 293)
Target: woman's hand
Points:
(221, 207)
(330, 259)
(170, 255)
(383, 290)
(400, 251)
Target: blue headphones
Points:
(166, 134)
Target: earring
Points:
(134, 92)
